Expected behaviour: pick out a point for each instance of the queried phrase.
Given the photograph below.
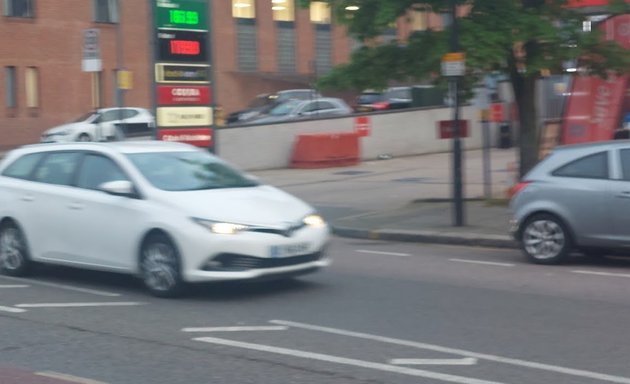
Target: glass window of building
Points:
(10, 81)
(32, 87)
(18, 8)
(320, 12)
(244, 9)
(419, 20)
(106, 11)
(283, 10)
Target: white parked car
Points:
(168, 212)
(100, 125)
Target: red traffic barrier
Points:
(324, 150)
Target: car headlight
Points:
(314, 220)
(221, 228)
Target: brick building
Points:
(257, 46)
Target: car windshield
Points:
(84, 117)
(284, 108)
(188, 171)
(261, 101)
(368, 98)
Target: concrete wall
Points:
(408, 133)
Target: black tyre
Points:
(160, 266)
(14, 256)
(545, 239)
(84, 137)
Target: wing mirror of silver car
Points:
(118, 188)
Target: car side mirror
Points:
(118, 188)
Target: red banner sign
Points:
(200, 137)
(445, 128)
(594, 109)
(183, 95)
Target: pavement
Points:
(410, 198)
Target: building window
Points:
(247, 46)
(18, 8)
(283, 10)
(286, 47)
(419, 20)
(244, 9)
(32, 87)
(320, 12)
(323, 49)
(106, 11)
(10, 74)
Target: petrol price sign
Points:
(182, 14)
(182, 46)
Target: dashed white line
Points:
(482, 262)
(464, 361)
(11, 309)
(382, 253)
(66, 287)
(480, 356)
(68, 378)
(609, 274)
(14, 286)
(70, 305)
(237, 329)
(345, 361)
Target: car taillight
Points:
(518, 187)
(381, 105)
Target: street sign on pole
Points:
(453, 64)
(91, 61)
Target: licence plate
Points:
(288, 250)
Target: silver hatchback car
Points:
(577, 198)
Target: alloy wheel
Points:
(544, 239)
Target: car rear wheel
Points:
(160, 266)
(84, 137)
(545, 239)
(14, 257)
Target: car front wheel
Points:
(545, 239)
(160, 267)
(14, 258)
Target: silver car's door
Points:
(620, 200)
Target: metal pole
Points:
(119, 65)
(457, 144)
(487, 182)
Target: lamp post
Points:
(120, 63)
(458, 216)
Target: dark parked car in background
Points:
(262, 104)
(391, 98)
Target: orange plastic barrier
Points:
(323, 150)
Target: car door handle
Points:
(624, 195)
(27, 198)
(76, 206)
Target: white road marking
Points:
(345, 361)
(11, 310)
(64, 305)
(464, 361)
(610, 274)
(66, 287)
(237, 329)
(382, 253)
(483, 262)
(481, 356)
(14, 286)
(68, 378)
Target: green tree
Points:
(519, 38)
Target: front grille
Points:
(236, 262)
(286, 232)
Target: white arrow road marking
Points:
(464, 361)
(237, 329)
(480, 356)
(382, 253)
(14, 286)
(345, 361)
(65, 305)
(483, 262)
(602, 273)
(11, 310)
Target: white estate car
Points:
(99, 125)
(168, 212)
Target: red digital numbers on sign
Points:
(185, 47)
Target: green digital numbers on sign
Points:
(185, 14)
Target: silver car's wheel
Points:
(545, 240)
(160, 266)
(84, 137)
(14, 259)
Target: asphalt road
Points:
(382, 313)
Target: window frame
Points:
(10, 86)
(113, 11)
(29, 7)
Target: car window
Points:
(23, 166)
(625, 163)
(368, 98)
(284, 108)
(188, 171)
(96, 170)
(588, 167)
(57, 168)
(129, 113)
(326, 105)
(311, 107)
(84, 117)
(110, 116)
